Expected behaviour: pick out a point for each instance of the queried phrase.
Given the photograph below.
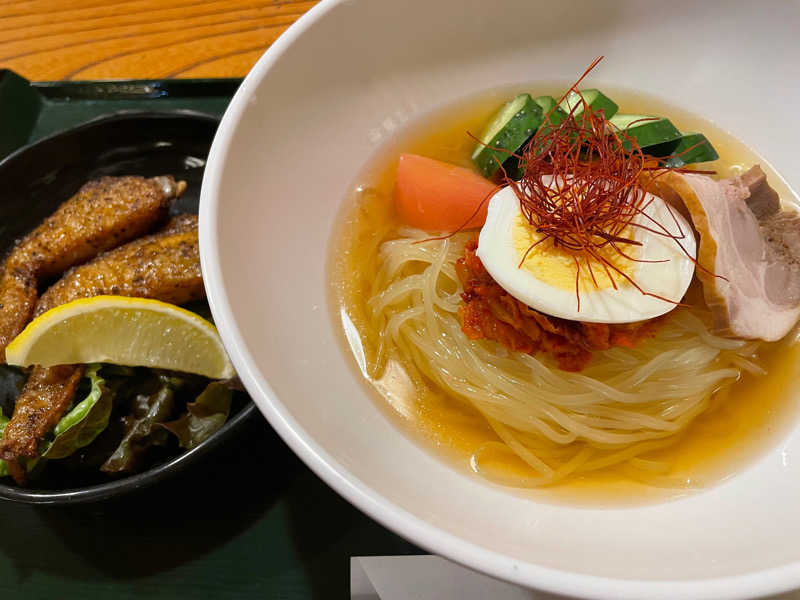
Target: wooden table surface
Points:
(134, 39)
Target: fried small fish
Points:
(102, 215)
(44, 399)
(164, 266)
(180, 224)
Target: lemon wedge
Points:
(134, 332)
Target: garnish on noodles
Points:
(582, 294)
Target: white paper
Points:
(428, 578)
(431, 577)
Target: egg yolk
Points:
(556, 265)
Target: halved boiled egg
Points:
(546, 279)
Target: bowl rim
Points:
(123, 485)
(426, 535)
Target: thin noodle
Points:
(627, 403)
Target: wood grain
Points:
(139, 39)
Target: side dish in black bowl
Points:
(137, 425)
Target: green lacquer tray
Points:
(248, 521)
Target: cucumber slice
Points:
(510, 128)
(551, 107)
(703, 151)
(594, 98)
(550, 111)
(650, 132)
(624, 121)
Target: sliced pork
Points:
(749, 251)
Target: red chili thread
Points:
(594, 195)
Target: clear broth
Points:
(756, 413)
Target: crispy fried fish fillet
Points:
(180, 224)
(102, 215)
(45, 398)
(164, 266)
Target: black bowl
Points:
(37, 178)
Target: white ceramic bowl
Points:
(305, 120)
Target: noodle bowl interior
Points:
(678, 411)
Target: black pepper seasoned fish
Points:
(164, 266)
(102, 215)
(45, 398)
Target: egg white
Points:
(626, 304)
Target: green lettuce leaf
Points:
(80, 426)
(3, 422)
(140, 427)
(203, 417)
